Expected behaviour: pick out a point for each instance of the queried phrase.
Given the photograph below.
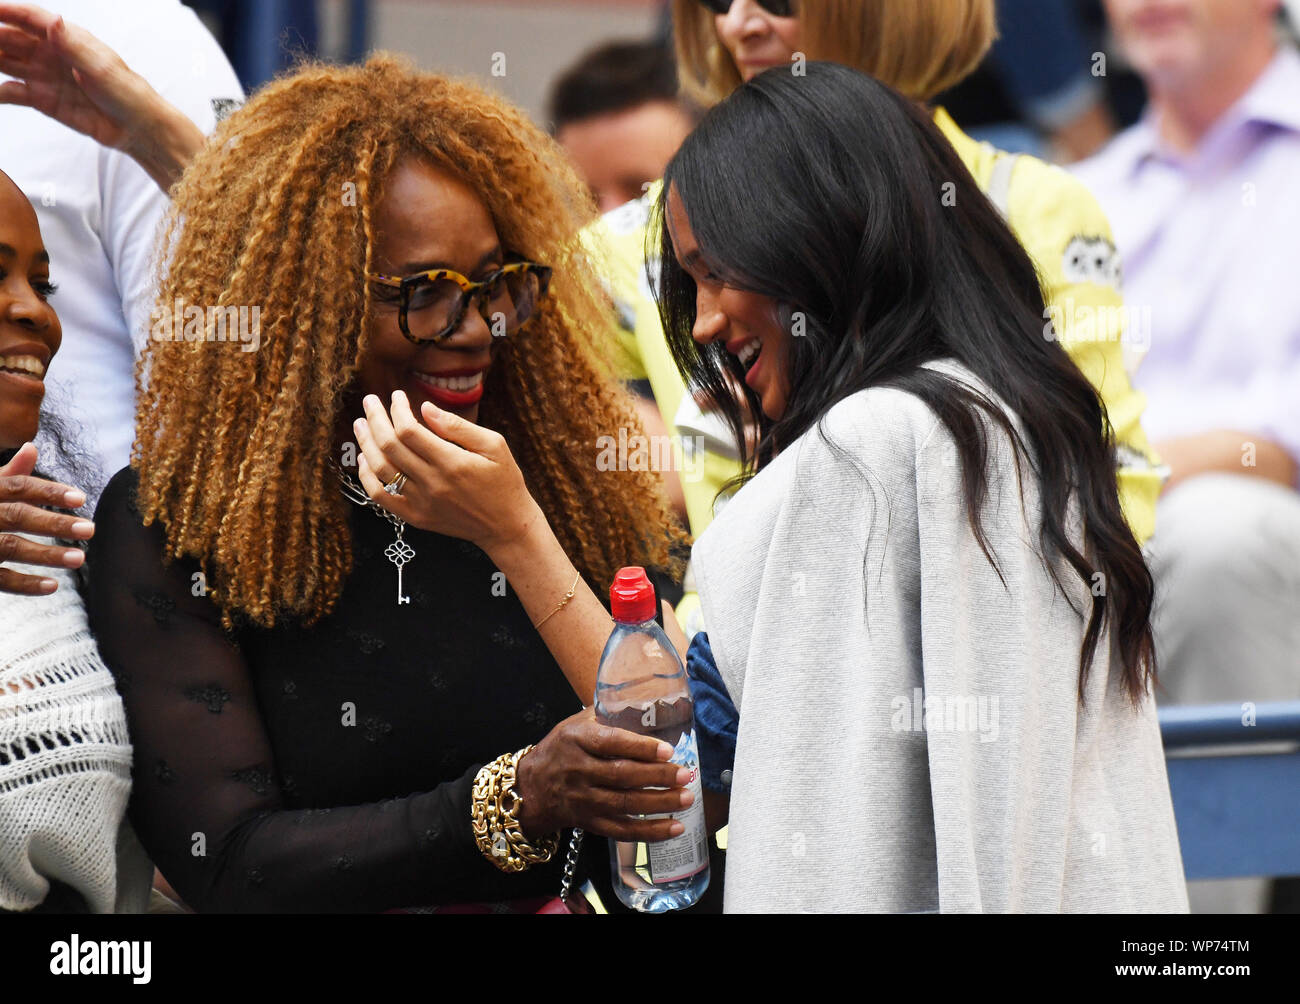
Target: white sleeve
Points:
(133, 207)
(191, 72)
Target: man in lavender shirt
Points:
(1202, 195)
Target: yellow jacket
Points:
(1059, 223)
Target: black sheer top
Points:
(329, 768)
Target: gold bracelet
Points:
(567, 596)
(493, 817)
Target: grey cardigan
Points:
(910, 732)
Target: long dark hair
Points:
(842, 201)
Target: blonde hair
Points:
(233, 447)
(918, 47)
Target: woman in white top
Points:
(65, 758)
(925, 603)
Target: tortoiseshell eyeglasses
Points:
(433, 304)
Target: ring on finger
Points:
(395, 485)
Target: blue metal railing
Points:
(1238, 812)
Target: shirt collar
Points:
(1270, 101)
(1273, 98)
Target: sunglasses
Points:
(432, 305)
(777, 8)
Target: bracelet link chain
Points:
(494, 817)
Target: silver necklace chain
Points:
(399, 552)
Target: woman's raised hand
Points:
(600, 778)
(21, 499)
(67, 73)
(462, 479)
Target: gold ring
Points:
(396, 484)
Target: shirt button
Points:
(726, 779)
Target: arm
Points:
(464, 483)
(1259, 433)
(66, 73)
(541, 574)
(1227, 451)
(206, 801)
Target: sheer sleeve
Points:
(207, 801)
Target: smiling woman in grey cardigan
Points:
(928, 619)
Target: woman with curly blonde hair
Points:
(322, 691)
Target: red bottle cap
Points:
(632, 596)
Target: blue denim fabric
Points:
(716, 716)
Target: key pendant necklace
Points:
(399, 552)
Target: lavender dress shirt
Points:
(1211, 248)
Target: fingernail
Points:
(665, 751)
(47, 585)
(358, 425)
(83, 528)
(372, 400)
(688, 797)
(677, 829)
(73, 557)
(683, 776)
(74, 499)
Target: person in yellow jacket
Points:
(919, 47)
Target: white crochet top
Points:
(65, 758)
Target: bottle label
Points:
(686, 855)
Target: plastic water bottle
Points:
(641, 686)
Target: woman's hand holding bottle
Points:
(600, 778)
